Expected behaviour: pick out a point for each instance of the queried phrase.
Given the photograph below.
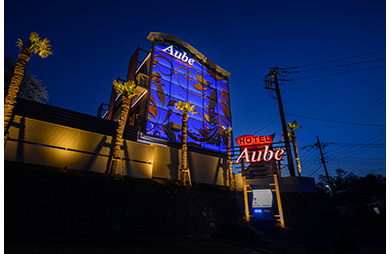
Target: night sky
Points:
(338, 46)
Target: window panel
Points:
(195, 99)
(195, 129)
(164, 71)
(163, 59)
(195, 85)
(197, 66)
(224, 111)
(175, 125)
(223, 98)
(178, 92)
(155, 130)
(179, 80)
(179, 66)
(198, 114)
(158, 99)
(194, 142)
(222, 86)
(209, 80)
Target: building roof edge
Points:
(155, 35)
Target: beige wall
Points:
(43, 143)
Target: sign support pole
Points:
(279, 201)
(246, 199)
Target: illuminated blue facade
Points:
(178, 75)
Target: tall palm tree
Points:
(127, 90)
(34, 45)
(291, 127)
(228, 133)
(184, 107)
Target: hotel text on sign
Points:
(263, 153)
(254, 140)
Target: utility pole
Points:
(322, 159)
(268, 85)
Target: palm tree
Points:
(127, 90)
(33, 45)
(291, 127)
(185, 107)
(228, 133)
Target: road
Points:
(142, 246)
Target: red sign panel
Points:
(254, 140)
(250, 142)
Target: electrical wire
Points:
(348, 152)
(359, 144)
(266, 125)
(334, 121)
(334, 60)
(312, 152)
(315, 170)
(358, 115)
(342, 65)
(337, 73)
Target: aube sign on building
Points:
(256, 149)
(177, 54)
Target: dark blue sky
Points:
(93, 41)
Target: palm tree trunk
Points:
(294, 140)
(13, 90)
(119, 134)
(229, 162)
(184, 163)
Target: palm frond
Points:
(227, 131)
(127, 89)
(293, 126)
(36, 45)
(184, 106)
(20, 44)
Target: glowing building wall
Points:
(176, 75)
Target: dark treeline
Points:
(362, 203)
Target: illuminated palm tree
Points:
(228, 133)
(33, 45)
(185, 107)
(127, 90)
(291, 127)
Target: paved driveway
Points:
(142, 246)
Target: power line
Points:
(359, 115)
(266, 125)
(337, 73)
(342, 65)
(358, 149)
(335, 60)
(315, 170)
(380, 114)
(359, 144)
(334, 121)
(377, 138)
(370, 139)
(362, 158)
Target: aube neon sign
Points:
(256, 142)
(178, 55)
